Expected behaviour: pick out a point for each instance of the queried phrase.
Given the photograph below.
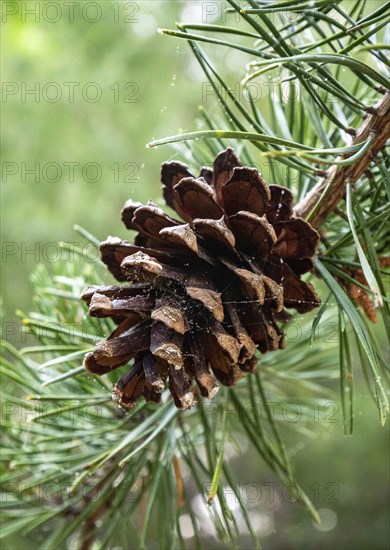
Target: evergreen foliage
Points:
(77, 471)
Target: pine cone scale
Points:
(246, 191)
(166, 344)
(253, 234)
(224, 165)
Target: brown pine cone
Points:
(360, 296)
(200, 296)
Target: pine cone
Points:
(201, 296)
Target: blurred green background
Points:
(87, 152)
(80, 99)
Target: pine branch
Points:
(329, 191)
(122, 470)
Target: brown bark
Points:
(329, 191)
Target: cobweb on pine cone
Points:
(199, 297)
